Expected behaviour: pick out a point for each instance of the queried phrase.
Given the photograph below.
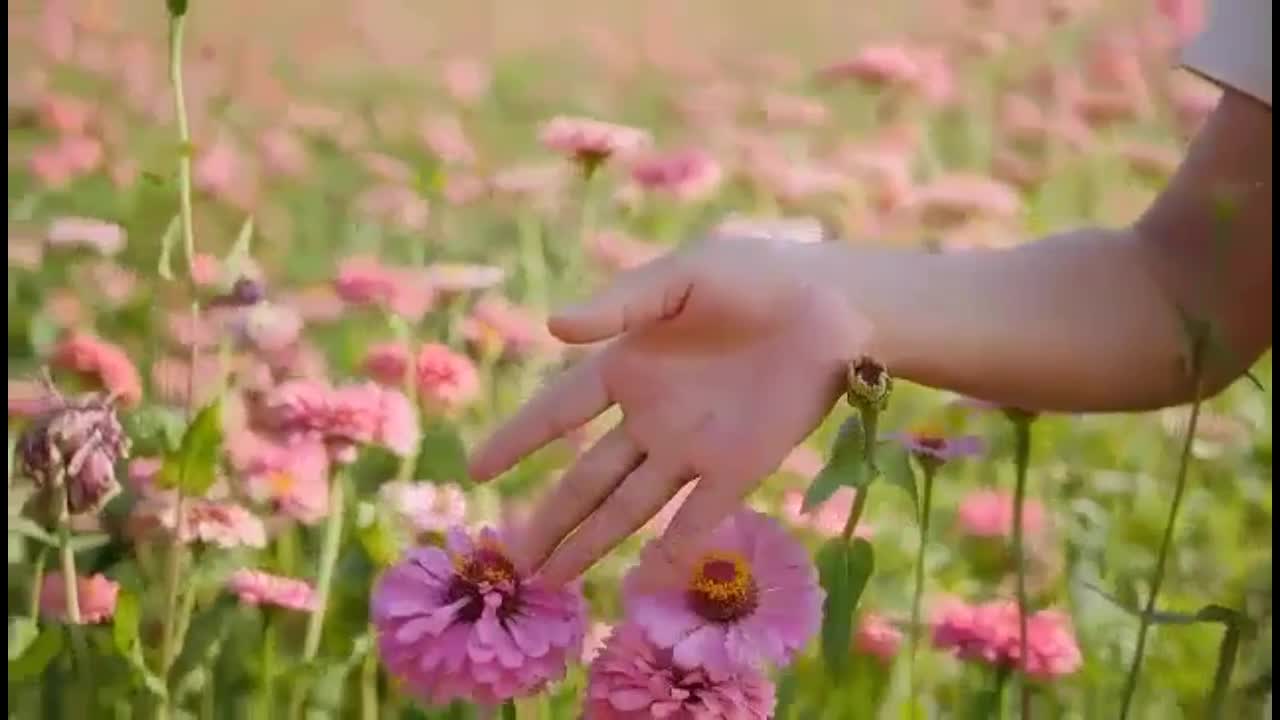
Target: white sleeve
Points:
(1234, 50)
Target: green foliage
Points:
(193, 467)
(846, 468)
(844, 568)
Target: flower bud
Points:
(869, 384)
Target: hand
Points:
(722, 358)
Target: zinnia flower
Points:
(365, 281)
(446, 379)
(633, 679)
(876, 636)
(427, 507)
(388, 363)
(495, 325)
(931, 447)
(684, 174)
(455, 278)
(292, 478)
(989, 514)
(101, 362)
(748, 595)
(344, 417)
(96, 596)
(255, 587)
(462, 623)
(75, 445)
(100, 236)
(591, 142)
(988, 633)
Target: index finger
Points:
(570, 400)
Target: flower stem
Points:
(173, 568)
(369, 686)
(1021, 459)
(1166, 542)
(534, 259)
(37, 580)
(855, 513)
(870, 421)
(328, 560)
(176, 32)
(267, 699)
(926, 507)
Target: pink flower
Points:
(597, 635)
(446, 379)
(461, 622)
(222, 171)
(283, 153)
(591, 142)
(101, 362)
(827, 519)
(878, 65)
(444, 137)
(427, 507)
(292, 478)
(96, 596)
(876, 636)
(29, 399)
(344, 417)
(386, 168)
(989, 514)
(617, 251)
(223, 524)
(255, 587)
(633, 679)
(793, 111)
(466, 80)
(747, 596)
(932, 447)
(953, 198)
(388, 363)
(142, 475)
(365, 281)
(100, 236)
(683, 174)
(456, 278)
(396, 206)
(172, 381)
(988, 634)
(65, 114)
(495, 325)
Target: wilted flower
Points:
(100, 236)
(96, 596)
(591, 142)
(749, 595)
(684, 174)
(988, 633)
(869, 384)
(876, 636)
(75, 445)
(463, 623)
(633, 679)
(427, 507)
(255, 587)
(989, 514)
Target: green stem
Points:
(1222, 675)
(176, 32)
(855, 513)
(926, 510)
(1022, 459)
(586, 227)
(369, 686)
(173, 568)
(328, 560)
(534, 260)
(870, 422)
(1166, 542)
(267, 699)
(37, 580)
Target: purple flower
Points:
(462, 623)
(938, 449)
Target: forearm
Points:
(1073, 322)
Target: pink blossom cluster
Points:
(988, 633)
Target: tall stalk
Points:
(1022, 461)
(328, 561)
(926, 510)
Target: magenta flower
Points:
(633, 679)
(255, 587)
(463, 623)
(933, 448)
(685, 174)
(749, 595)
(96, 595)
(876, 636)
(989, 514)
(988, 633)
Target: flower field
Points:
(276, 269)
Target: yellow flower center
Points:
(722, 587)
(280, 482)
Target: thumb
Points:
(638, 299)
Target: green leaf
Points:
(39, 653)
(154, 430)
(1219, 613)
(124, 624)
(786, 695)
(441, 455)
(167, 242)
(509, 710)
(26, 527)
(238, 257)
(90, 541)
(843, 570)
(985, 704)
(895, 462)
(847, 467)
(22, 632)
(194, 467)
(204, 637)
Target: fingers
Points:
(578, 493)
(571, 400)
(713, 499)
(640, 496)
(639, 298)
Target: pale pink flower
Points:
(265, 327)
(447, 140)
(100, 236)
(953, 198)
(878, 65)
(793, 111)
(687, 175)
(495, 325)
(876, 636)
(451, 279)
(827, 519)
(988, 633)
(591, 142)
(64, 114)
(211, 522)
(466, 79)
(344, 417)
(103, 363)
(426, 507)
(395, 205)
(222, 171)
(529, 183)
(387, 169)
(206, 270)
(748, 595)
(446, 379)
(255, 587)
(292, 478)
(461, 622)
(617, 251)
(365, 281)
(989, 514)
(283, 154)
(96, 596)
(633, 679)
